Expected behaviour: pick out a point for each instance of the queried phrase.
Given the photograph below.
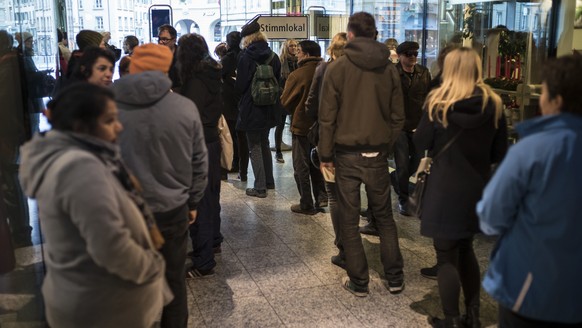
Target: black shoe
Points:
(322, 203)
(270, 186)
(430, 273)
(309, 211)
(395, 286)
(448, 322)
(403, 210)
(256, 193)
(352, 288)
(279, 158)
(242, 178)
(369, 229)
(217, 249)
(339, 261)
(198, 273)
(224, 176)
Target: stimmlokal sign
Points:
(284, 27)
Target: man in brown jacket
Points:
(360, 116)
(293, 100)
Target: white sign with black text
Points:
(284, 27)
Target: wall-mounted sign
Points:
(284, 27)
(322, 27)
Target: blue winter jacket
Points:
(534, 203)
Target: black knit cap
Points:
(250, 28)
(407, 46)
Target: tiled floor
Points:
(275, 271)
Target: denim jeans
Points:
(174, 228)
(306, 175)
(458, 267)
(261, 158)
(406, 160)
(353, 169)
(205, 232)
(331, 189)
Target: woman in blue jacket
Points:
(534, 203)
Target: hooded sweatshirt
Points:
(162, 141)
(361, 106)
(99, 256)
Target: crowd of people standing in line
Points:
(159, 180)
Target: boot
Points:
(471, 318)
(447, 322)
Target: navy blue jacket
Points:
(251, 117)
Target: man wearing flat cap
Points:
(163, 145)
(415, 87)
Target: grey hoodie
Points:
(163, 141)
(102, 270)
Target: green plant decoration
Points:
(468, 20)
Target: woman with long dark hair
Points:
(103, 267)
(95, 66)
(464, 119)
(201, 82)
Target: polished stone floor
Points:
(275, 271)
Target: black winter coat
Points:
(231, 94)
(459, 175)
(252, 117)
(205, 90)
(414, 91)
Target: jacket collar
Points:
(550, 122)
(309, 60)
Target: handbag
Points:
(422, 174)
(227, 153)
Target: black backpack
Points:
(264, 87)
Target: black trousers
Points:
(458, 267)
(307, 176)
(205, 232)
(243, 153)
(406, 161)
(510, 319)
(174, 228)
(233, 133)
(279, 133)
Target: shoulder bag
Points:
(227, 153)
(422, 173)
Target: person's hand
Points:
(328, 165)
(192, 216)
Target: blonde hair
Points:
(337, 45)
(251, 38)
(461, 75)
(285, 50)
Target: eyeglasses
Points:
(411, 54)
(165, 40)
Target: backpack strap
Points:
(271, 56)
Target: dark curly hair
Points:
(84, 67)
(563, 78)
(194, 56)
